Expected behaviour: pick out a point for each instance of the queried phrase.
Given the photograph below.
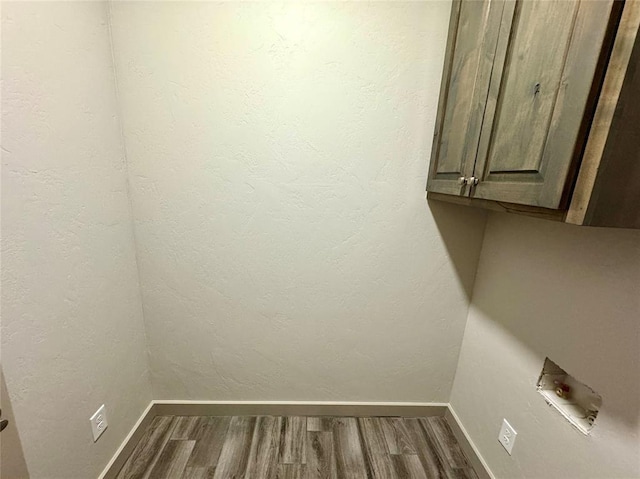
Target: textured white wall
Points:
(278, 156)
(72, 331)
(572, 294)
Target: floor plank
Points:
(321, 460)
(397, 436)
(372, 435)
(322, 423)
(461, 473)
(431, 463)
(347, 449)
(293, 439)
(236, 448)
(408, 467)
(445, 442)
(291, 471)
(173, 460)
(374, 446)
(184, 428)
(148, 448)
(209, 434)
(195, 473)
(263, 458)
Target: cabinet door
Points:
(473, 33)
(545, 63)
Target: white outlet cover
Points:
(98, 422)
(507, 436)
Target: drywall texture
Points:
(572, 294)
(278, 155)
(72, 330)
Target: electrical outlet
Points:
(507, 436)
(98, 423)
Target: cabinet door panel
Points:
(545, 64)
(472, 42)
(530, 85)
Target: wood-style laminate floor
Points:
(264, 447)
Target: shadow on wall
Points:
(12, 463)
(455, 223)
(569, 293)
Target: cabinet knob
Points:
(462, 180)
(472, 181)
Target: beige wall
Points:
(278, 155)
(572, 294)
(72, 331)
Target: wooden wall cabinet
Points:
(539, 110)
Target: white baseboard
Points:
(293, 408)
(297, 408)
(467, 445)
